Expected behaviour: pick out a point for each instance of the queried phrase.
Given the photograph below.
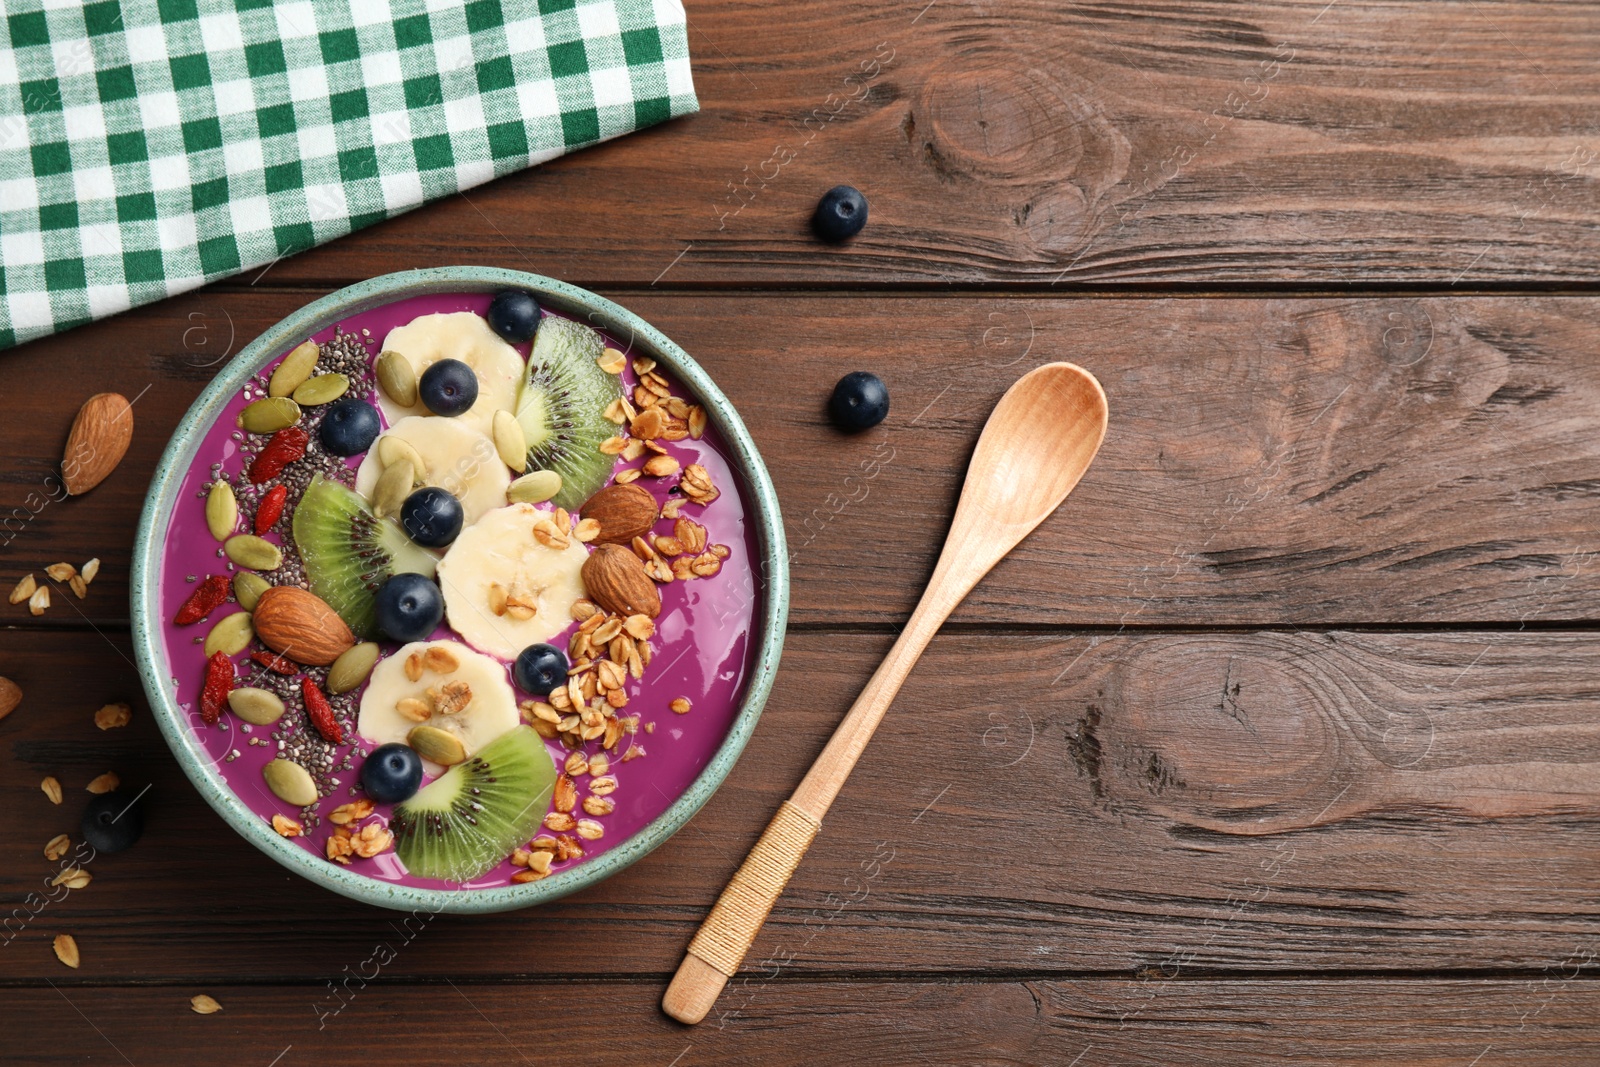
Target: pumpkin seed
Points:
(269, 415)
(392, 450)
(259, 707)
(222, 510)
(294, 370)
(441, 746)
(291, 782)
(257, 553)
(352, 667)
(248, 587)
(394, 485)
(321, 389)
(397, 379)
(534, 488)
(510, 441)
(231, 635)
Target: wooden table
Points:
(1278, 744)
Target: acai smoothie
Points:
(459, 592)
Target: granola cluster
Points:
(348, 839)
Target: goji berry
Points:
(219, 683)
(207, 597)
(321, 712)
(284, 448)
(271, 508)
(276, 664)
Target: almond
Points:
(623, 512)
(99, 439)
(10, 696)
(615, 579)
(300, 625)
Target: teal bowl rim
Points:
(761, 500)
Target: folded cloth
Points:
(151, 146)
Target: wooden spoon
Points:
(1037, 443)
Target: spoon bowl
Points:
(1038, 442)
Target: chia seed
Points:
(292, 735)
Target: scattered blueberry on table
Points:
(448, 387)
(840, 214)
(112, 821)
(349, 427)
(539, 669)
(859, 402)
(514, 315)
(392, 773)
(409, 607)
(432, 517)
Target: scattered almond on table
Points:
(10, 696)
(98, 440)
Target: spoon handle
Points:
(726, 935)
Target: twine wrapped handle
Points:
(726, 935)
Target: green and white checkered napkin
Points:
(150, 146)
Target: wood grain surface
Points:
(1279, 744)
(1271, 462)
(1088, 1023)
(1202, 802)
(1055, 145)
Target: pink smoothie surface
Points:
(704, 644)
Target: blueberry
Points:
(392, 773)
(840, 213)
(514, 315)
(432, 517)
(410, 607)
(859, 401)
(112, 821)
(539, 669)
(448, 387)
(349, 427)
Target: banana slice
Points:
(458, 335)
(504, 589)
(393, 703)
(459, 460)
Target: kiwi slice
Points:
(471, 817)
(561, 406)
(349, 552)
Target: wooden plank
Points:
(1046, 144)
(1546, 1019)
(1189, 803)
(1269, 462)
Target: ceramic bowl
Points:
(761, 502)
